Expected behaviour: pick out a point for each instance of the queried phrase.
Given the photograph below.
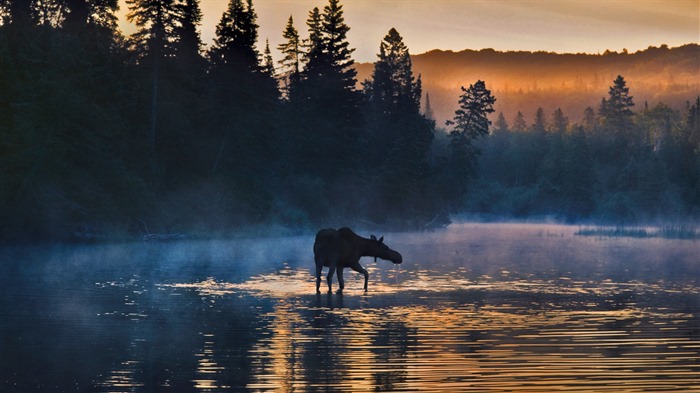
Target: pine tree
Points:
(393, 85)
(470, 123)
(519, 124)
(539, 126)
(401, 136)
(428, 112)
(560, 123)
(268, 66)
(189, 42)
(327, 91)
(83, 13)
(314, 59)
(589, 120)
(336, 45)
(292, 52)
(501, 124)
(236, 38)
(156, 22)
(616, 113)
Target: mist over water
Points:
(474, 307)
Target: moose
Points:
(338, 249)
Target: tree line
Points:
(617, 165)
(103, 135)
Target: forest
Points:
(106, 137)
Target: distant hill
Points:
(524, 81)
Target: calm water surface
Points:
(476, 307)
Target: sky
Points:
(564, 26)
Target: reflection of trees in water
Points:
(390, 346)
(322, 358)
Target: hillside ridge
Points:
(525, 80)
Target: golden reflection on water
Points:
(123, 379)
(357, 342)
(468, 348)
(208, 369)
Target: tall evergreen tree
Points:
(268, 66)
(428, 112)
(336, 44)
(81, 13)
(188, 43)
(539, 126)
(501, 124)
(327, 92)
(590, 121)
(401, 136)
(519, 124)
(393, 86)
(329, 65)
(236, 38)
(470, 123)
(156, 21)
(560, 123)
(292, 52)
(314, 59)
(616, 113)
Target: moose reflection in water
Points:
(338, 249)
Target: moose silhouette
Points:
(338, 249)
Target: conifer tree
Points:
(314, 58)
(189, 42)
(539, 126)
(336, 45)
(428, 112)
(589, 120)
(616, 112)
(470, 123)
(501, 124)
(519, 124)
(268, 66)
(401, 135)
(236, 38)
(327, 90)
(393, 86)
(156, 22)
(81, 13)
(292, 52)
(559, 122)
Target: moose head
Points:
(381, 250)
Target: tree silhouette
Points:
(236, 38)
(470, 123)
(291, 56)
(400, 135)
(616, 113)
(188, 42)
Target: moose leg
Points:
(319, 270)
(341, 282)
(331, 271)
(358, 268)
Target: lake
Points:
(474, 307)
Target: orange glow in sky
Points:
(564, 26)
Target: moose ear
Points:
(381, 239)
(373, 237)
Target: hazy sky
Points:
(590, 26)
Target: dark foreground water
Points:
(477, 307)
